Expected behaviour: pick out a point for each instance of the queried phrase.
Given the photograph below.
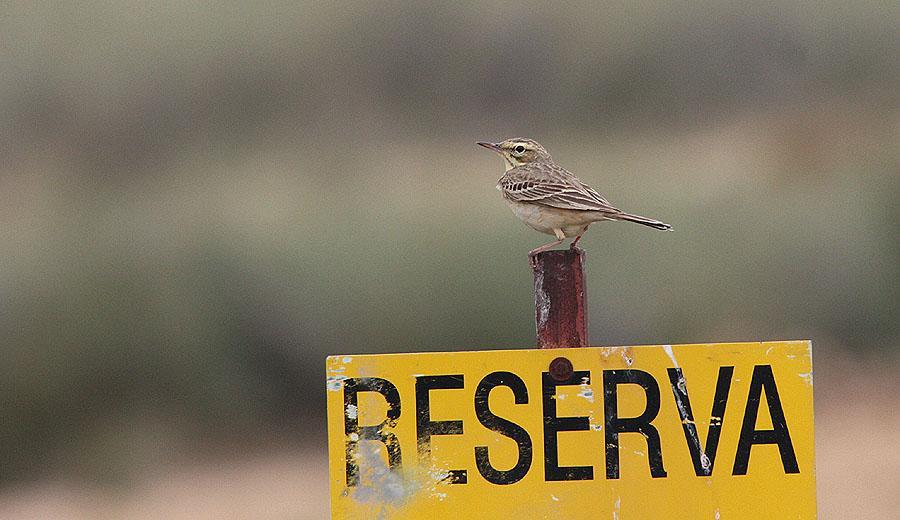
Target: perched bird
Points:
(549, 199)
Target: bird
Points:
(550, 199)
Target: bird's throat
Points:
(508, 162)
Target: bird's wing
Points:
(551, 185)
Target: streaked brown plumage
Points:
(548, 198)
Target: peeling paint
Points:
(378, 483)
(554, 498)
(668, 349)
(586, 391)
(625, 352)
(334, 383)
(594, 425)
(543, 303)
(682, 410)
(384, 490)
(808, 376)
(438, 475)
(618, 506)
(704, 461)
(682, 385)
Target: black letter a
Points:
(763, 379)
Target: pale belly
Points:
(545, 219)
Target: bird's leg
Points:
(560, 236)
(545, 247)
(574, 244)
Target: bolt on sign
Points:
(671, 431)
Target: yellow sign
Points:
(718, 431)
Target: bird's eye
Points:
(519, 149)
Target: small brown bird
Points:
(549, 199)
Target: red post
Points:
(560, 308)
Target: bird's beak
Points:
(490, 146)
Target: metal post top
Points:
(559, 298)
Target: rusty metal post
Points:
(560, 306)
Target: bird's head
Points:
(518, 151)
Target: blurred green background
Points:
(199, 202)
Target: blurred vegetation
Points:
(197, 206)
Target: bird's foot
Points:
(574, 245)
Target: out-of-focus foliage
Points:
(198, 205)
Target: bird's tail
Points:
(655, 224)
